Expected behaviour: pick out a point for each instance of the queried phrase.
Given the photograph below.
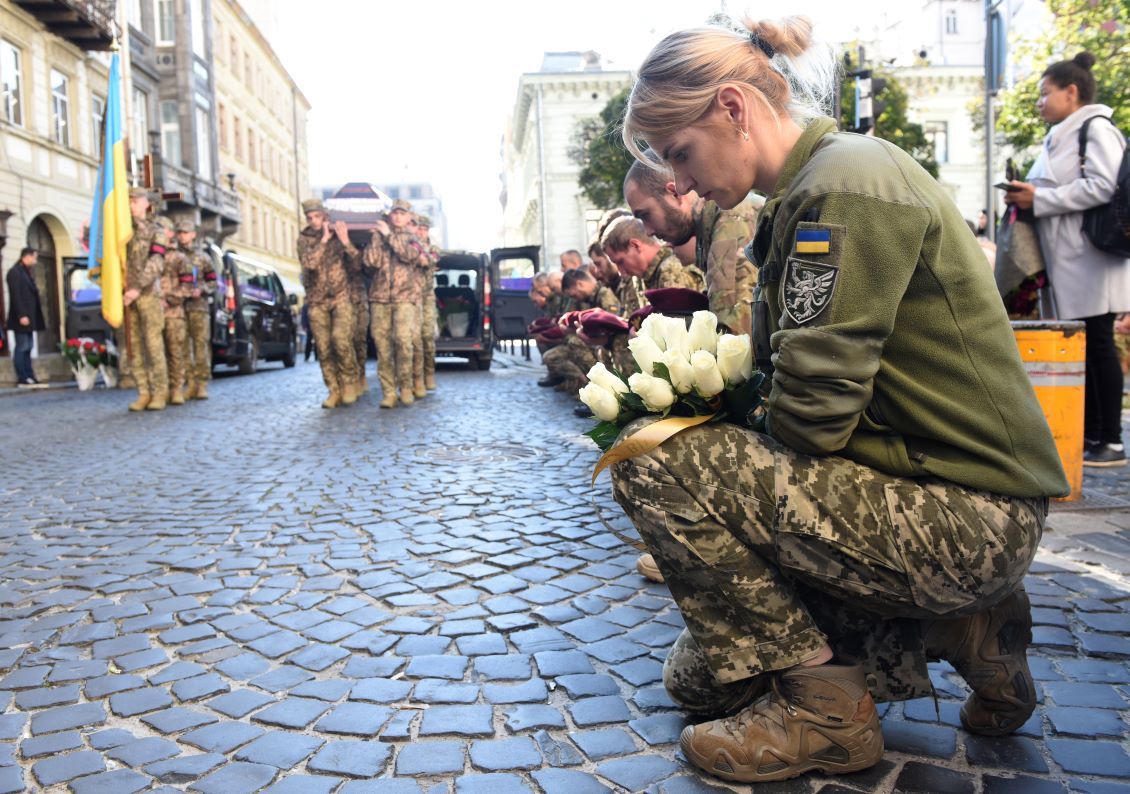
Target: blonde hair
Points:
(775, 62)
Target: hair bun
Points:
(1084, 59)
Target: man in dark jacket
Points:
(25, 315)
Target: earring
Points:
(745, 135)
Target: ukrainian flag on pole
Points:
(111, 225)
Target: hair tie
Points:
(756, 40)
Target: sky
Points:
(421, 91)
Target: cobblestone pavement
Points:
(254, 593)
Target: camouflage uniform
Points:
(428, 314)
(326, 271)
(720, 239)
(199, 321)
(665, 270)
(908, 464)
(359, 298)
(574, 357)
(394, 262)
(145, 317)
(176, 287)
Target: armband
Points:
(187, 278)
(156, 248)
(210, 276)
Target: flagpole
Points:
(127, 77)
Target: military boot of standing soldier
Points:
(144, 316)
(329, 260)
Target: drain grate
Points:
(470, 453)
(1092, 500)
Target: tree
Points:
(1100, 27)
(892, 124)
(600, 152)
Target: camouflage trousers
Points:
(396, 331)
(428, 333)
(332, 326)
(571, 360)
(200, 347)
(361, 334)
(770, 553)
(146, 318)
(176, 349)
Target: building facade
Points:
(52, 100)
(542, 201)
(261, 136)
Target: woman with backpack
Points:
(1088, 284)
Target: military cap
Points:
(313, 205)
(552, 335)
(139, 192)
(677, 301)
(637, 317)
(539, 324)
(401, 204)
(164, 222)
(598, 321)
(186, 226)
(424, 220)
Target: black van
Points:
(253, 315)
(83, 315)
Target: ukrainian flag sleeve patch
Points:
(813, 241)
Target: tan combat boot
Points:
(430, 382)
(364, 384)
(333, 401)
(389, 400)
(159, 401)
(201, 391)
(814, 718)
(190, 393)
(419, 389)
(406, 396)
(177, 397)
(647, 567)
(989, 649)
(142, 401)
(349, 394)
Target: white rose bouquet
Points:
(684, 372)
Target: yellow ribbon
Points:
(646, 439)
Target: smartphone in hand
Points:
(1006, 186)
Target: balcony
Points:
(88, 24)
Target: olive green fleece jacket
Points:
(910, 365)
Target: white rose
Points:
(603, 403)
(735, 358)
(682, 376)
(676, 335)
(600, 375)
(652, 327)
(707, 379)
(646, 353)
(703, 332)
(656, 393)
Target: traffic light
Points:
(863, 95)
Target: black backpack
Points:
(1107, 226)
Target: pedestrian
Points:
(25, 316)
(176, 288)
(1088, 284)
(328, 259)
(428, 301)
(719, 237)
(393, 260)
(892, 509)
(145, 315)
(644, 263)
(198, 360)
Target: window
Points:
(219, 37)
(248, 72)
(196, 9)
(951, 22)
(170, 133)
(11, 75)
(222, 116)
(251, 148)
(166, 23)
(139, 125)
(237, 135)
(204, 138)
(133, 13)
(937, 132)
(60, 108)
(97, 117)
(234, 56)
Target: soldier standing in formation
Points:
(176, 287)
(359, 297)
(145, 320)
(428, 303)
(394, 259)
(328, 260)
(203, 284)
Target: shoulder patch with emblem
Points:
(807, 289)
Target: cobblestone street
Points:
(253, 593)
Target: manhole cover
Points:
(470, 453)
(1092, 500)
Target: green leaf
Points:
(633, 402)
(605, 434)
(743, 399)
(660, 370)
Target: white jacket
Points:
(1086, 282)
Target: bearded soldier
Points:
(644, 263)
(394, 258)
(145, 318)
(328, 259)
(199, 358)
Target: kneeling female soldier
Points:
(891, 511)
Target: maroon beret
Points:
(639, 314)
(553, 334)
(674, 301)
(539, 325)
(598, 321)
